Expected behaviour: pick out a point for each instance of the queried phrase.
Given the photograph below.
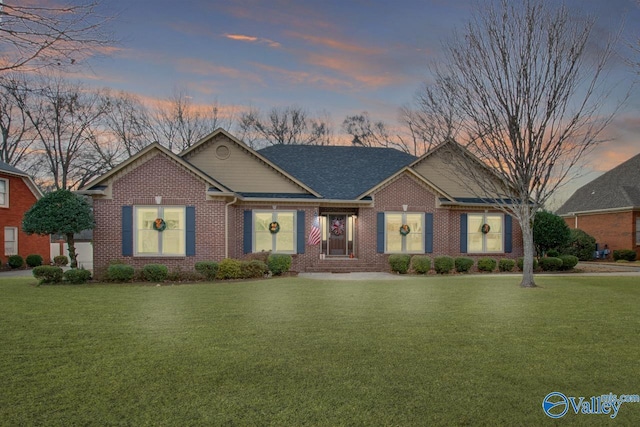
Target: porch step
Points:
(341, 265)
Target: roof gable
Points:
(617, 188)
(7, 169)
(338, 172)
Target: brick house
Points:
(18, 193)
(608, 208)
(335, 208)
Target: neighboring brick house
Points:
(18, 193)
(608, 208)
(219, 198)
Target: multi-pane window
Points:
(412, 241)
(264, 236)
(4, 193)
(485, 233)
(10, 241)
(160, 230)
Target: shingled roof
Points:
(618, 188)
(338, 172)
(5, 167)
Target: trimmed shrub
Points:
(279, 263)
(48, 274)
(443, 264)
(179, 275)
(259, 256)
(581, 245)
(463, 264)
(520, 263)
(208, 269)
(60, 260)
(550, 264)
(568, 262)
(506, 264)
(229, 269)
(421, 264)
(15, 261)
(77, 276)
(487, 264)
(120, 273)
(155, 272)
(254, 269)
(34, 260)
(553, 253)
(399, 263)
(625, 254)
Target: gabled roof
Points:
(338, 172)
(5, 167)
(618, 188)
(12, 170)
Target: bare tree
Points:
(366, 133)
(65, 117)
(15, 136)
(34, 36)
(530, 95)
(283, 126)
(127, 121)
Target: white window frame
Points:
(403, 246)
(274, 215)
(14, 242)
(638, 231)
(484, 236)
(159, 214)
(5, 202)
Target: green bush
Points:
(626, 254)
(120, 273)
(399, 263)
(520, 263)
(155, 272)
(229, 269)
(15, 261)
(443, 264)
(581, 245)
(550, 263)
(208, 269)
(279, 263)
(77, 276)
(463, 264)
(421, 264)
(553, 253)
(253, 269)
(48, 274)
(506, 264)
(568, 262)
(487, 264)
(60, 260)
(34, 260)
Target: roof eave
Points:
(599, 211)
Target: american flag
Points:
(314, 234)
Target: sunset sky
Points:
(339, 57)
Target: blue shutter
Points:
(508, 234)
(463, 233)
(428, 233)
(380, 228)
(248, 231)
(190, 239)
(300, 231)
(127, 231)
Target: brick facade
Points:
(21, 198)
(617, 230)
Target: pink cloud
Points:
(306, 78)
(252, 39)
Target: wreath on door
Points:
(337, 227)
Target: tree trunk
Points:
(527, 240)
(72, 251)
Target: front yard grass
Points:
(465, 350)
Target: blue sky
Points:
(340, 57)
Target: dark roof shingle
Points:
(8, 168)
(338, 172)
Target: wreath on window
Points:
(405, 229)
(159, 224)
(274, 227)
(485, 228)
(337, 227)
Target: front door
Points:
(337, 232)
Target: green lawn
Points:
(468, 350)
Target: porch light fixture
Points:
(158, 200)
(404, 207)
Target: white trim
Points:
(484, 236)
(599, 211)
(273, 236)
(159, 212)
(5, 204)
(403, 238)
(15, 241)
